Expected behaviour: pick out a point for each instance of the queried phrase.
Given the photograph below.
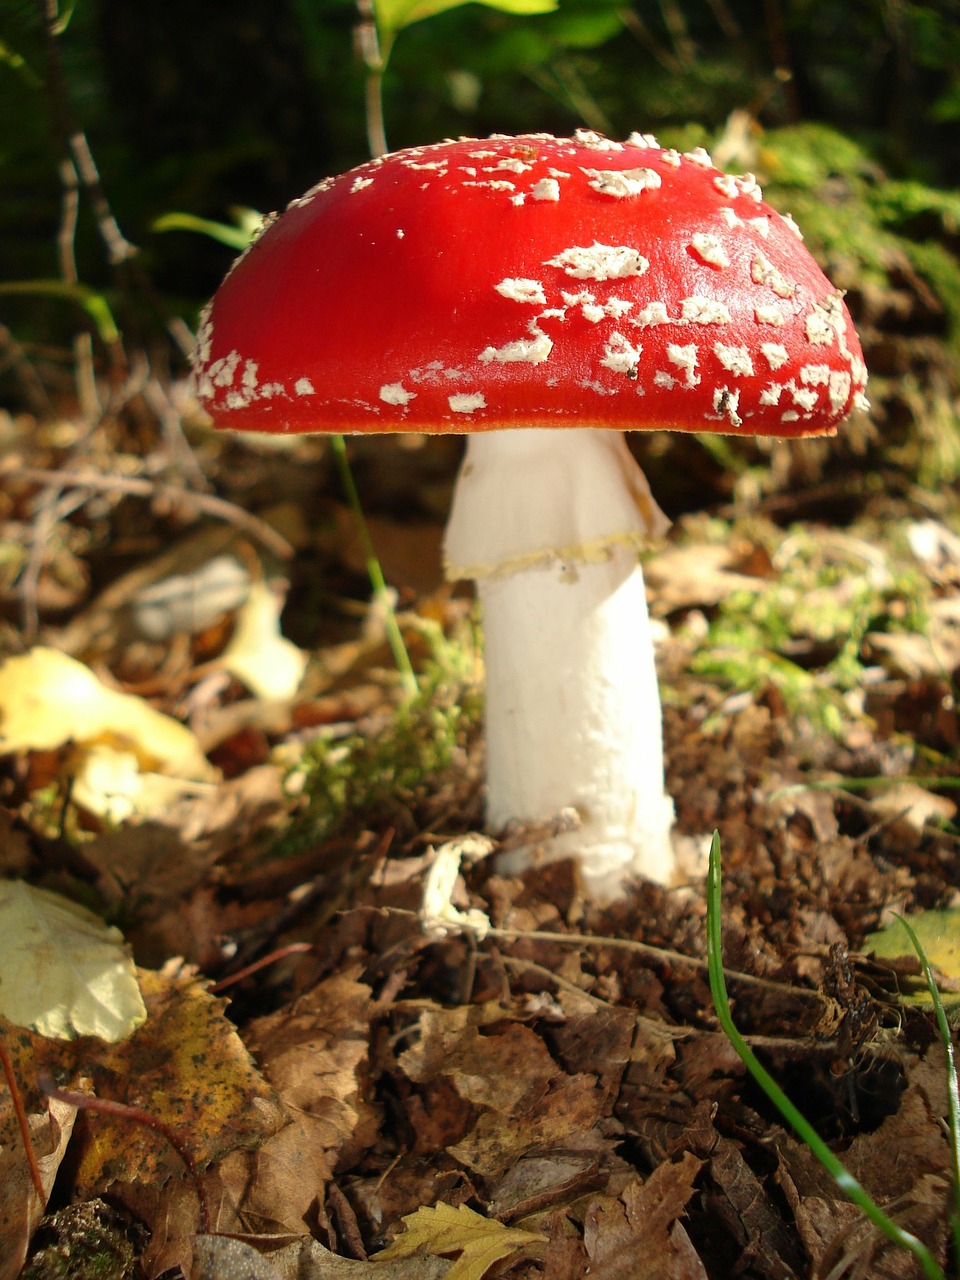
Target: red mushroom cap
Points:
(530, 282)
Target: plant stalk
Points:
(804, 1130)
(381, 593)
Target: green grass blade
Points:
(845, 1180)
(953, 1093)
(95, 304)
(233, 237)
(381, 595)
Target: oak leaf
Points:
(444, 1229)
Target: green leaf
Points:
(16, 62)
(938, 933)
(394, 15)
(238, 237)
(95, 304)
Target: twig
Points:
(208, 503)
(54, 507)
(66, 255)
(630, 944)
(646, 948)
(73, 141)
(15, 357)
(118, 247)
(641, 32)
(675, 21)
(292, 949)
(23, 1124)
(76, 169)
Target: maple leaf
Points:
(444, 1229)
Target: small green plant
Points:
(821, 599)
(845, 1180)
(383, 20)
(235, 235)
(378, 776)
(93, 303)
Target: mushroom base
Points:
(573, 719)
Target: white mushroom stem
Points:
(548, 523)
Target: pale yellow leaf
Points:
(48, 699)
(258, 655)
(111, 784)
(444, 1229)
(438, 915)
(63, 972)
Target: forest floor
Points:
(564, 1076)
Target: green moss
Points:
(378, 777)
(85, 1241)
(856, 218)
(803, 632)
(941, 269)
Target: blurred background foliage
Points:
(849, 113)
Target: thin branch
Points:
(74, 147)
(23, 1124)
(76, 170)
(54, 507)
(118, 247)
(674, 19)
(14, 357)
(642, 33)
(208, 503)
(673, 958)
(67, 230)
(67, 257)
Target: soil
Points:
(564, 1074)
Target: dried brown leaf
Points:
(20, 1210)
(639, 1236)
(220, 1258)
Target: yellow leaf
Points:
(48, 699)
(129, 759)
(444, 1229)
(258, 655)
(939, 935)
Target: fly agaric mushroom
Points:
(509, 288)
